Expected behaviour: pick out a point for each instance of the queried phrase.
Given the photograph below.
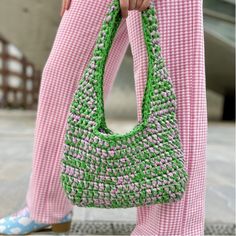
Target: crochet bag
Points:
(145, 166)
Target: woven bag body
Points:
(145, 166)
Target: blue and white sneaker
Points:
(20, 223)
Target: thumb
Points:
(68, 2)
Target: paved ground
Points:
(16, 142)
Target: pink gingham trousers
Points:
(182, 43)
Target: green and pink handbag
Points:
(145, 166)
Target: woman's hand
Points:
(65, 6)
(125, 5)
(139, 5)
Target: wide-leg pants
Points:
(182, 46)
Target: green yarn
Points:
(101, 168)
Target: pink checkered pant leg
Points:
(182, 42)
(68, 58)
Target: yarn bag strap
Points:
(145, 166)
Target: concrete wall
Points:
(31, 25)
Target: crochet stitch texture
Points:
(145, 166)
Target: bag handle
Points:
(103, 44)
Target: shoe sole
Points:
(61, 227)
(55, 228)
